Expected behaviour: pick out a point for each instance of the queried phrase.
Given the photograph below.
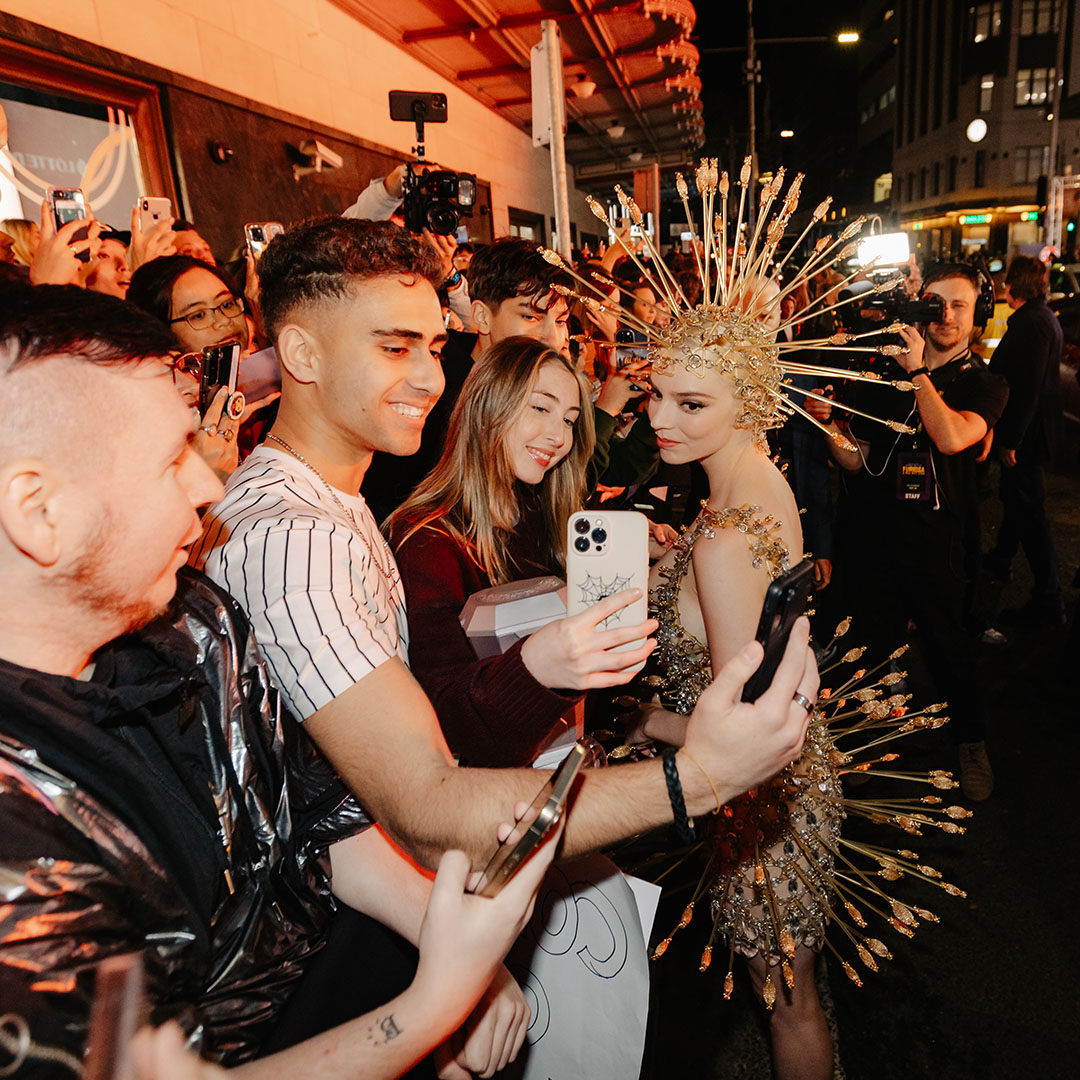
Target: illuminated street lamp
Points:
(752, 70)
(787, 133)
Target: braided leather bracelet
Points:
(683, 829)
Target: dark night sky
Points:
(808, 87)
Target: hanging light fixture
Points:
(616, 131)
(583, 88)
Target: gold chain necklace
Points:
(385, 570)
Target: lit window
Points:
(1039, 16)
(986, 93)
(985, 20)
(1034, 85)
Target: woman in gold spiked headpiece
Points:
(778, 870)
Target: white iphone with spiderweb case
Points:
(607, 551)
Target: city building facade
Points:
(973, 119)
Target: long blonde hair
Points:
(472, 494)
(21, 232)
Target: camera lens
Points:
(582, 543)
(581, 525)
(442, 219)
(599, 535)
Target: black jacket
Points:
(164, 807)
(1029, 356)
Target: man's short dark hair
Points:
(180, 225)
(152, 284)
(39, 321)
(1028, 278)
(509, 268)
(321, 259)
(943, 271)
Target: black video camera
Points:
(913, 310)
(434, 199)
(437, 199)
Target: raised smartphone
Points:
(220, 365)
(630, 347)
(152, 209)
(418, 105)
(66, 205)
(544, 813)
(786, 600)
(607, 551)
(259, 233)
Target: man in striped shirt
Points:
(352, 308)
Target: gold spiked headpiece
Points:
(725, 331)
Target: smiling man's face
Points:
(379, 360)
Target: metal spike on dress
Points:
(779, 873)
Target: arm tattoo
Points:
(383, 1031)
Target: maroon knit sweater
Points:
(492, 711)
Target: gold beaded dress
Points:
(778, 871)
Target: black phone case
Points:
(216, 373)
(785, 601)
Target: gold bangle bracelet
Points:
(716, 794)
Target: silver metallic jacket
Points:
(223, 944)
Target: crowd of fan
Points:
(158, 797)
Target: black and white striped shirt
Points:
(324, 614)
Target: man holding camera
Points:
(907, 496)
(382, 200)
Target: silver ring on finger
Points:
(210, 429)
(801, 699)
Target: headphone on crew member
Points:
(985, 300)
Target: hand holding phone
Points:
(785, 601)
(542, 816)
(151, 231)
(62, 255)
(67, 205)
(220, 366)
(152, 211)
(258, 235)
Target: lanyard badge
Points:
(914, 476)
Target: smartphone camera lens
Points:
(599, 535)
(582, 543)
(581, 526)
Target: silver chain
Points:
(385, 570)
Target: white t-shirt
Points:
(323, 612)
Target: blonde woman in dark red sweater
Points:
(494, 510)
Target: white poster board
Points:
(583, 967)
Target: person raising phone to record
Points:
(494, 510)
